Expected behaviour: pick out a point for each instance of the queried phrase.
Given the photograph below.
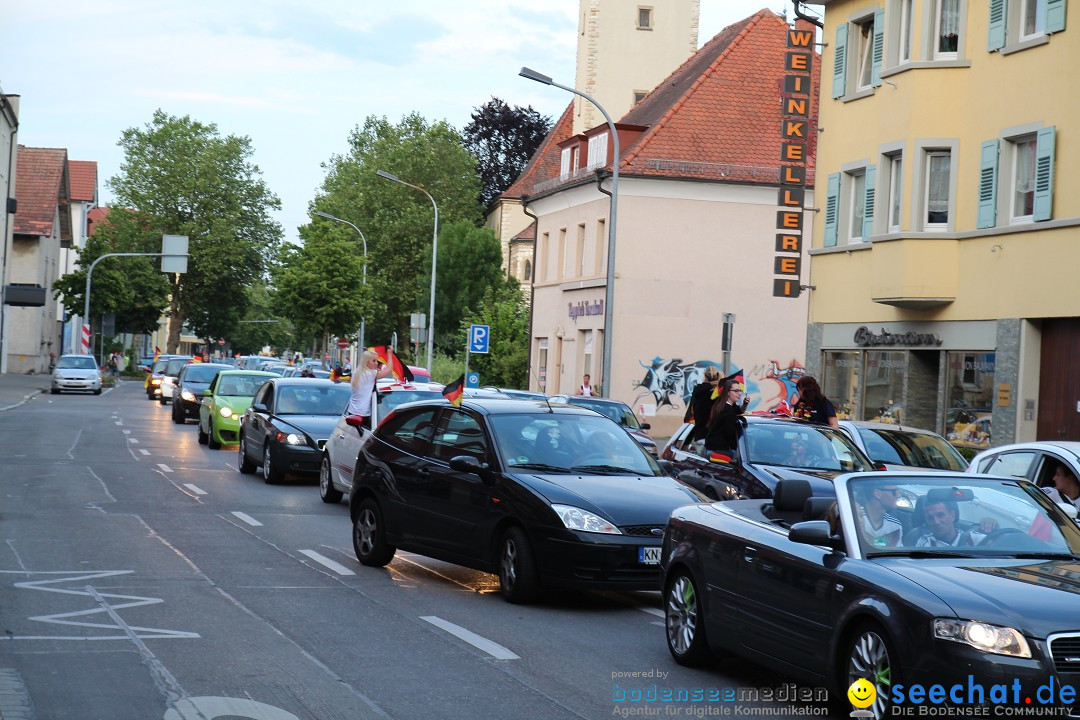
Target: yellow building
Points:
(946, 245)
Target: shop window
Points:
(884, 391)
(542, 362)
(840, 382)
(969, 388)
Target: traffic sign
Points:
(472, 380)
(479, 335)
(342, 343)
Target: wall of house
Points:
(507, 219)
(9, 149)
(34, 332)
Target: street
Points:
(142, 576)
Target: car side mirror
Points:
(815, 532)
(207, 393)
(356, 421)
(1068, 508)
(880, 465)
(259, 407)
(667, 466)
(469, 464)
(646, 426)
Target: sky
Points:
(294, 77)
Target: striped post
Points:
(85, 339)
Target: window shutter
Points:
(868, 203)
(879, 43)
(996, 39)
(832, 201)
(1044, 174)
(1055, 16)
(988, 165)
(839, 70)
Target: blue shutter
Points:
(868, 203)
(832, 202)
(1044, 174)
(988, 166)
(996, 40)
(879, 43)
(1055, 16)
(839, 69)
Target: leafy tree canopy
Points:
(503, 138)
(469, 265)
(506, 310)
(261, 327)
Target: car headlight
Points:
(225, 412)
(577, 519)
(155, 381)
(291, 439)
(983, 636)
(188, 395)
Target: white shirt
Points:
(586, 390)
(363, 384)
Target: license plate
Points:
(649, 555)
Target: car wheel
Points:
(54, 391)
(177, 414)
(870, 656)
(245, 465)
(518, 579)
(685, 621)
(327, 491)
(98, 391)
(369, 536)
(211, 440)
(204, 438)
(271, 475)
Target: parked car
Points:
(771, 448)
(224, 402)
(193, 379)
(76, 372)
(1034, 461)
(618, 411)
(343, 447)
(287, 425)
(541, 495)
(420, 375)
(169, 375)
(776, 583)
(901, 447)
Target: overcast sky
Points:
(293, 76)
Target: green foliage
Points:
(503, 138)
(506, 311)
(446, 368)
(470, 260)
(255, 332)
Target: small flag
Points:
(737, 376)
(454, 391)
(783, 409)
(157, 352)
(387, 356)
(719, 457)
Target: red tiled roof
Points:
(545, 162)
(83, 175)
(528, 233)
(41, 185)
(95, 217)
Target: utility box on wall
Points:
(24, 295)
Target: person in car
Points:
(812, 404)
(879, 525)
(700, 405)
(941, 516)
(363, 384)
(722, 437)
(1066, 486)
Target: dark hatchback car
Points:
(541, 495)
(193, 379)
(982, 592)
(288, 424)
(771, 448)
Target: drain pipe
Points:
(532, 294)
(803, 16)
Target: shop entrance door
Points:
(1059, 382)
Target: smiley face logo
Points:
(862, 693)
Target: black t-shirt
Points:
(818, 413)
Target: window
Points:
(884, 384)
(564, 163)
(644, 18)
(946, 29)
(1018, 24)
(601, 245)
(895, 165)
(528, 270)
(542, 362)
(857, 55)
(586, 352)
(841, 381)
(865, 60)
(639, 95)
(1023, 179)
(849, 205)
(542, 255)
(598, 150)
(937, 189)
(562, 255)
(459, 434)
(856, 200)
(1033, 18)
(410, 432)
(1021, 164)
(904, 44)
(579, 252)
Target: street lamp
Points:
(609, 291)
(434, 258)
(363, 239)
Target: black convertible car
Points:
(943, 590)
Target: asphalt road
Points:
(142, 577)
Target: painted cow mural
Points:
(671, 382)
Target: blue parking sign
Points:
(479, 336)
(472, 380)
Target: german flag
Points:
(737, 376)
(720, 458)
(157, 352)
(454, 391)
(387, 356)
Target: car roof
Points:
(508, 406)
(301, 381)
(248, 373)
(870, 425)
(590, 398)
(1059, 445)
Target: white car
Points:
(1035, 461)
(76, 372)
(343, 446)
(902, 447)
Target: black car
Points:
(771, 448)
(976, 590)
(193, 379)
(542, 495)
(288, 424)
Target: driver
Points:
(941, 518)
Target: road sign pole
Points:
(466, 359)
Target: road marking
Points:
(653, 611)
(144, 451)
(247, 518)
(126, 432)
(195, 489)
(119, 423)
(491, 647)
(164, 467)
(200, 708)
(327, 562)
(133, 441)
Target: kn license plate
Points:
(649, 555)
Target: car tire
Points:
(211, 440)
(98, 391)
(54, 391)
(271, 475)
(369, 536)
(685, 621)
(518, 579)
(870, 654)
(327, 491)
(244, 464)
(204, 438)
(178, 414)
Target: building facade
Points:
(9, 153)
(943, 261)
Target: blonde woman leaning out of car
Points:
(363, 384)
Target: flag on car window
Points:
(737, 376)
(400, 370)
(454, 391)
(719, 457)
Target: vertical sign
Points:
(794, 145)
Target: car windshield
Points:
(812, 447)
(202, 373)
(897, 447)
(564, 443)
(618, 412)
(240, 385)
(387, 400)
(904, 515)
(173, 368)
(77, 362)
(312, 399)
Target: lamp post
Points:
(434, 259)
(328, 216)
(609, 290)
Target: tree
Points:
(506, 311)
(503, 138)
(470, 260)
(185, 179)
(262, 326)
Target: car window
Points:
(1009, 464)
(804, 446)
(387, 400)
(265, 396)
(909, 448)
(410, 432)
(81, 362)
(566, 441)
(173, 368)
(310, 399)
(239, 385)
(618, 412)
(459, 433)
(201, 373)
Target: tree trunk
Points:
(176, 317)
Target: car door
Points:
(1011, 463)
(395, 464)
(207, 405)
(257, 423)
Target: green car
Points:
(224, 403)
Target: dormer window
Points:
(598, 150)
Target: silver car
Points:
(76, 372)
(902, 447)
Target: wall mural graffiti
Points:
(670, 383)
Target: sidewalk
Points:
(18, 389)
